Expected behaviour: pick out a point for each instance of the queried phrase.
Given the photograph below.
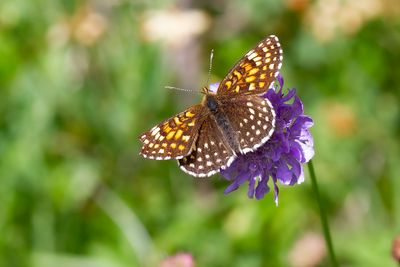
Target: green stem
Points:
(323, 216)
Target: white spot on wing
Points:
(155, 130)
(248, 53)
(252, 55)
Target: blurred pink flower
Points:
(178, 260)
(396, 249)
(308, 251)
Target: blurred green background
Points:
(81, 80)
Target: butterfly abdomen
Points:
(224, 126)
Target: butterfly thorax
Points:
(224, 126)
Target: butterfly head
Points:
(209, 100)
(206, 91)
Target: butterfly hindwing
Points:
(209, 153)
(256, 71)
(252, 118)
(174, 137)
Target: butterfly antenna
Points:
(210, 67)
(181, 89)
(203, 91)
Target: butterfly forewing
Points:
(209, 153)
(252, 118)
(256, 71)
(174, 137)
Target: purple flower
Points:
(280, 158)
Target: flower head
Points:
(280, 158)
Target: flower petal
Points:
(262, 187)
(240, 179)
(283, 173)
(276, 191)
(251, 189)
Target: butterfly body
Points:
(234, 120)
(217, 113)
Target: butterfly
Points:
(234, 120)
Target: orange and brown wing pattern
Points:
(209, 154)
(174, 137)
(256, 71)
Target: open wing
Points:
(256, 71)
(252, 117)
(209, 152)
(174, 137)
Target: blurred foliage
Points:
(80, 80)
